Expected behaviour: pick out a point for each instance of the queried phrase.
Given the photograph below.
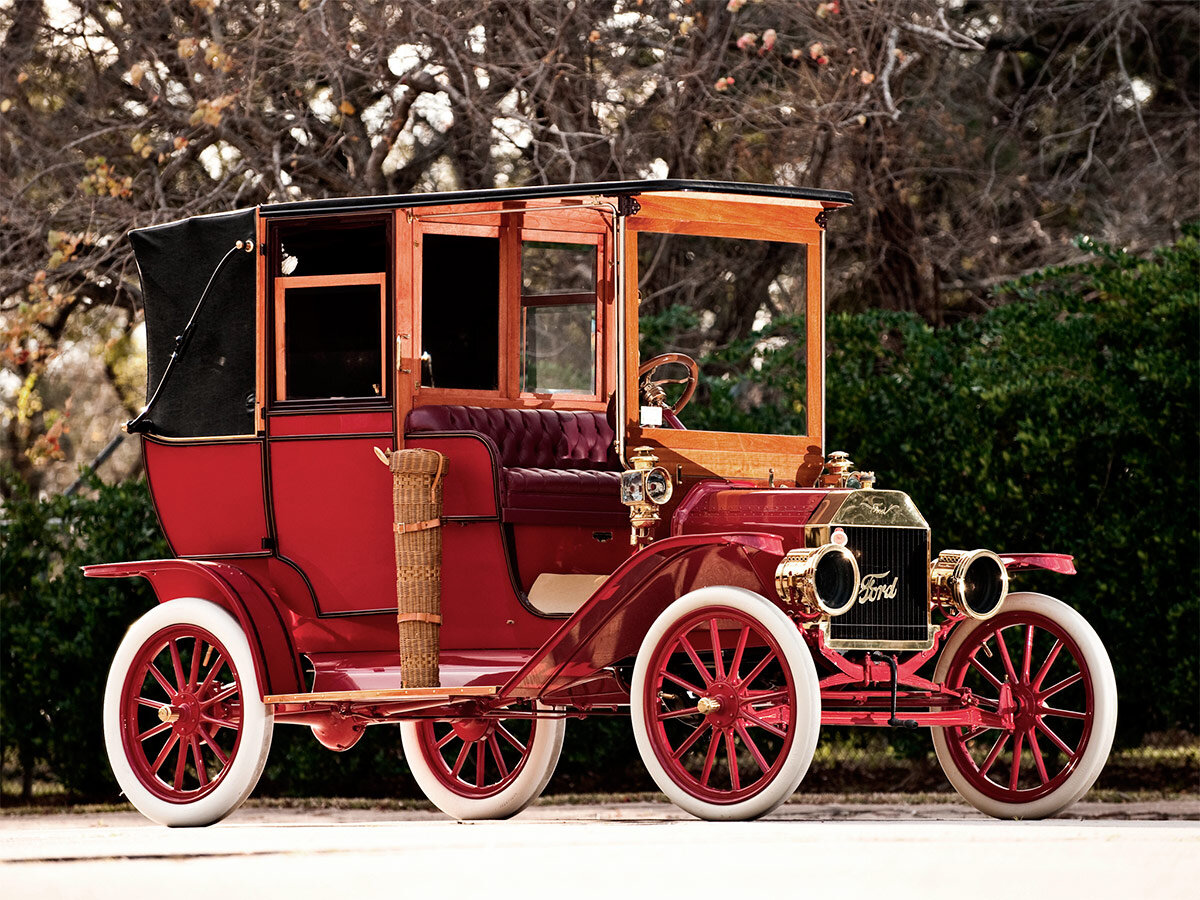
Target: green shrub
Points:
(1064, 420)
(59, 630)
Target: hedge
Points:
(1064, 420)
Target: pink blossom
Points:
(734, 5)
(769, 38)
(747, 40)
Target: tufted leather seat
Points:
(556, 466)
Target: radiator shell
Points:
(891, 543)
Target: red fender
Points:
(279, 670)
(611, 625)
(1061, 563)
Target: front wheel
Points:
(725, 704)
(186, 731)
(1065, 693)
(483, 768)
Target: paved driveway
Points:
(612, 851)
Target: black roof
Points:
(533, 192)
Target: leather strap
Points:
(431, 618)
(402, 528)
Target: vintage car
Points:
(729, 592)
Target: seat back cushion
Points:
(528, 438)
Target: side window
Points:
(460, 318)
(558, 318)
(333, 344)
(330, 323)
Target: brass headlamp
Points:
(823, 580)
(973, 582)
(644, 488)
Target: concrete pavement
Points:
(1147, 850)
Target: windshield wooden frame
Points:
(688, 454)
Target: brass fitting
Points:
(972, 582)
(644, 488)
(823, 580)
(837, 467)
(167, 714)
(838, 474)
(707, 705)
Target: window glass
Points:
(549, 268)
(558, 352)
(333, 342)
(333, 249)
(460, 312)
(737, 307)
(558, 318)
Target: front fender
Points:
(1061, 563)
(610, 626)
(232, 589)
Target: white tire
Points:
(1050, 720)
(486, 768)
(189, 747)
(744, 757)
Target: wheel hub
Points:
(184, 714)
(722, 705)
(471, 730)
(1027, 704)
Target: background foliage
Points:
(1065, 420)
(978, 138)
(59, 630)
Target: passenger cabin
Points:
(500, 328)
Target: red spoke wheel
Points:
(1065, 708)
(483, 768)
(186, 732)
(725, 704)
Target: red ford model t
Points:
(732, 591)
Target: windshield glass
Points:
(736, 307)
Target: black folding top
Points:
(211, 391)
(533, 192)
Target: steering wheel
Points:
(651, 387)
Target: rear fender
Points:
(610, 626)
(229, 587)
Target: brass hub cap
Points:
(722, 705)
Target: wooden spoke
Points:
(695, 658)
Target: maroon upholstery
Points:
(556, 466)
(528, 438)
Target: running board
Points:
(383, 695)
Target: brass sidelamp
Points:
(644, 488)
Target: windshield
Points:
(739, 309)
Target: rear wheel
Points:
(186, 732)
(1066, 697)
(483, 768)
(725, 704)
